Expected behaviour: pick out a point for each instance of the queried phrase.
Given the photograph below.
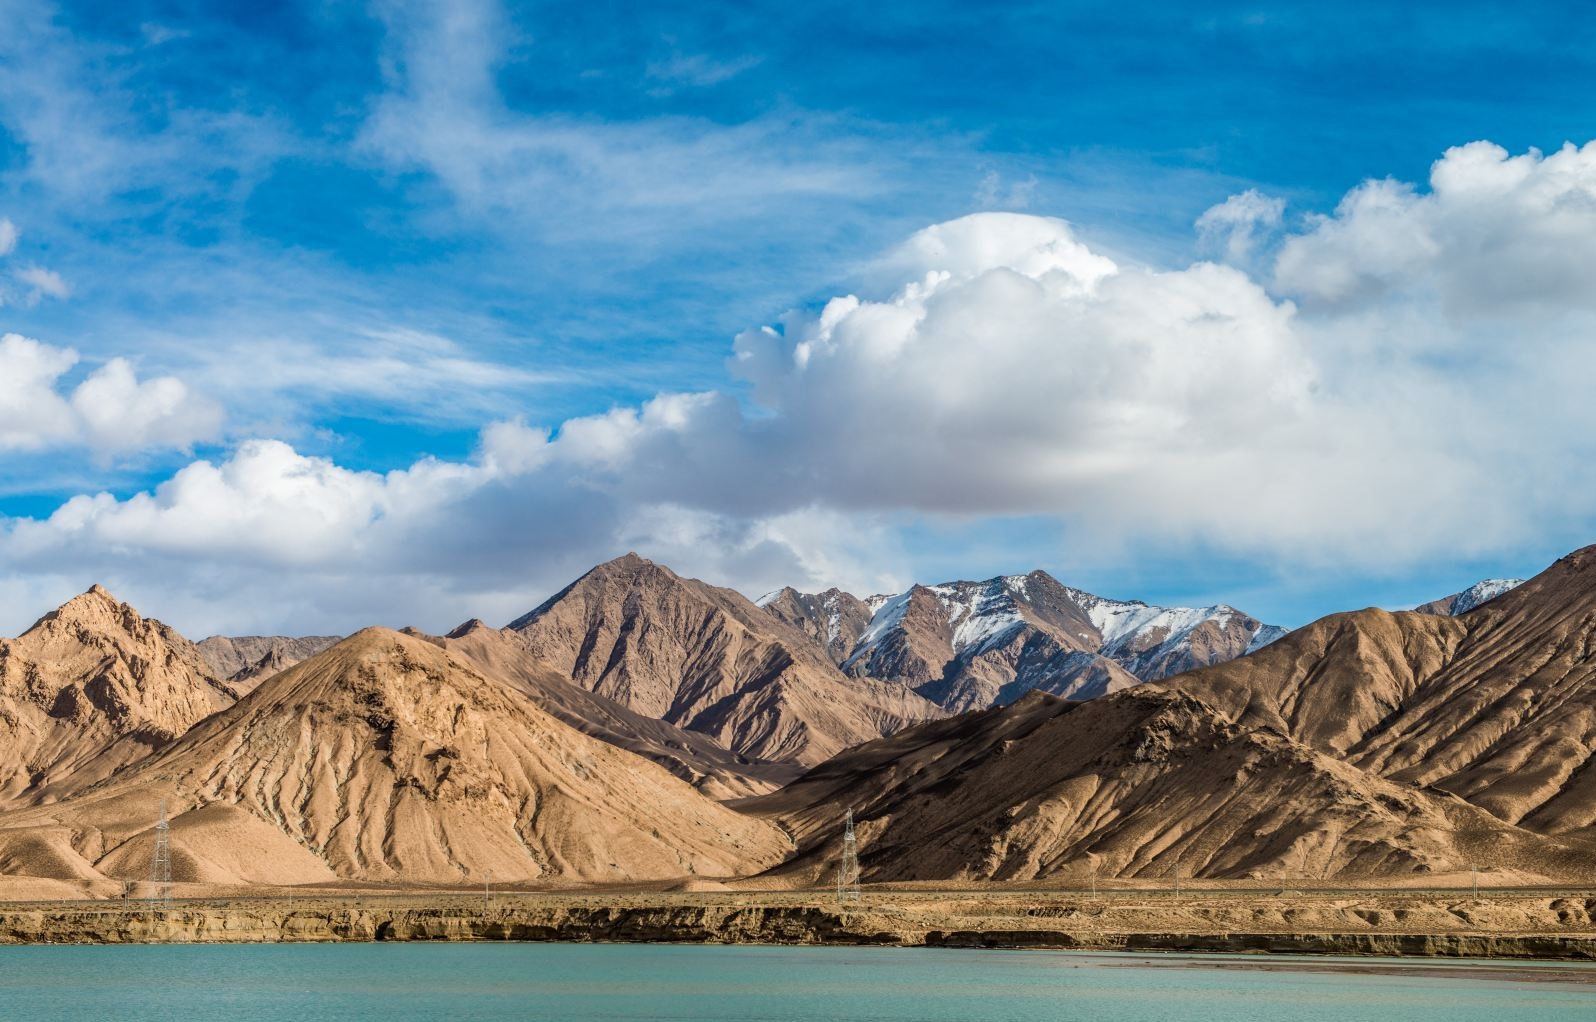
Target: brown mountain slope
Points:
(708, 660)
(1497, 705)
(387, 758)
(90, 688)
(1137, 784)
(1330, 683)
(695, 758)
(834, 619)
(247, 660)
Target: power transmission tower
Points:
(161, 865)
(848, 870)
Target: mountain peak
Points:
(91, 686)
(1478, 594)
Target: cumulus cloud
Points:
(1332, 414)
(1494, 232)
(110, 412)
(1235, 227)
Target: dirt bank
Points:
(1378, 924)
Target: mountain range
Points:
(642, 726)
(972, 645)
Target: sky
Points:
(327, 314)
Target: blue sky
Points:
(367, 233)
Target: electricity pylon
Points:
(848, 869)
(161, 865)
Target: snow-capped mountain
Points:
(1480, 592)
(971, 645)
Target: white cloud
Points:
(297, 378)
(1494, 233)
(991, 193)
(698, 70)
(42, 283)
(443, 113)
(37, 282)
(1234, 228)
(110, 412)
(1003, 368)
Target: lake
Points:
(578, 982)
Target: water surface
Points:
(578, 983)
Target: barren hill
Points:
(1141, 783)
(91, 687)
(708, 660)
(1497, 705)
(387, 758)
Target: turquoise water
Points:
(576, 983)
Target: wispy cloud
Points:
(696, 70)
(444, 113)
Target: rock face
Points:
(971, 645)
(387, 758)
(92, 687)
(708, 660)
(1468, 599)
(695, 758)
(834, 619)
(247, 660)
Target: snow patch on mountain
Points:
(981, 614)
(1264, 636)
(888, 614)
(1482, 592)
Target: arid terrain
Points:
(645, 756)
